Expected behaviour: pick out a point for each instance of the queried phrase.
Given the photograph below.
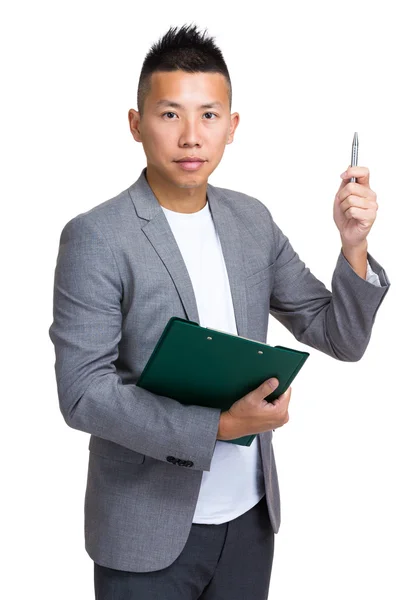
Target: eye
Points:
(172, 113)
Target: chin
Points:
(190, 179)
(189, 184)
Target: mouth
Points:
(190, 164)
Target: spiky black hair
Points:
(182, 49)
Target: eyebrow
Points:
(165, 102)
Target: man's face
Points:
(177, 124)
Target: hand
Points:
(252, 414)
(355, 207)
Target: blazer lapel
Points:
(159, 234)
(226, 226)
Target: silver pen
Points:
(354, 154)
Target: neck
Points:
(186, 199)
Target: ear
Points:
(233, 125)
(134, 124)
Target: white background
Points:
(305, 76)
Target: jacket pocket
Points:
(109, 449)
(259, 276)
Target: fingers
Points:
(267, 387)
(283, 398)
(354, 206)
(362, 174)
(360, 187)
(354, 189)
(352, 201)
(356, 200)
(286, 395)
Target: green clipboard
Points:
(207, 367)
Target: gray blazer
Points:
(119, 277)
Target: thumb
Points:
(268, 386)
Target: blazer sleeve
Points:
(338, 322)
(86, 330)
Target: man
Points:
(170, 510)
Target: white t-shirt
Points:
(235, 482)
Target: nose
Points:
(190, 134)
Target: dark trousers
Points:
(230, 561)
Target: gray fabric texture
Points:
(119, 277)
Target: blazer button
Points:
(171, 459)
